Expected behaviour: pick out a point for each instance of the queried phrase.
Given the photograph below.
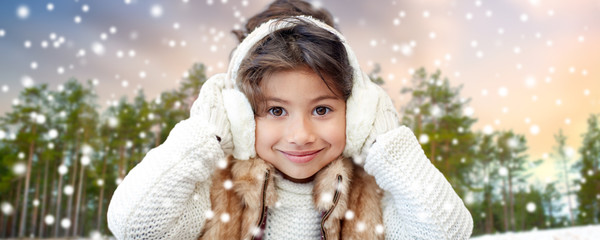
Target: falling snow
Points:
(498, 63)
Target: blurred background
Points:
(504, 96)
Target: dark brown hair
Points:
(284, 8)
(303, 45)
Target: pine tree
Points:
(436, 114)
(512, 159)
(28, 117)
(551, 204)
(191, 85)
(589, 195)
(485, 161)
(78, 110)
(530, 214)
(562, 155)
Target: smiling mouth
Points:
(300, 156)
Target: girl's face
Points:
(303, 127)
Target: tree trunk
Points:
(13, 231)
(83, 210)
(78, 201)
(59, 193)
(596, 206)
(523, 217)
(489, 218)
(27, 179)
(4, 226)
(121, 162)
(75, 158)
(101, 197)
(158, 133)
(42, 223)
(504, 205)
(432, 152)
(35, 208)
(511, 201)
(568, 192)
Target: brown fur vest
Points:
(239, 210)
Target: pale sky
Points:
(528, 65)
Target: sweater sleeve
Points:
(166, 195)
(418, 202)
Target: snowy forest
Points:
(62, 157)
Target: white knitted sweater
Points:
(166, 196)
(294, 216)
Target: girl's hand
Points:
(209, 109)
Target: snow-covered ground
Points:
(590, 232)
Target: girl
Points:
(293, 142)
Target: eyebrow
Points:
(317, 99)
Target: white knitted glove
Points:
(418, 202)
(386, 119)
(166, 196)
(209, 108)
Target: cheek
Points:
(264, 135)
(336, 133)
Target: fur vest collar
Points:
(239, 209)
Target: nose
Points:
(301, 131)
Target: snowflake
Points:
(19, 168)
(558, 102)
(326, 197)
(469, 16)
(349, 215)
(225, 217)
(23, 12)
(360, 226)
(62, 169)
(85, 160)
(7, 209)
(68, 190)
(228, 184)
(503, 171)
(531, 207)
(488, 129)
(49, 219)
(423, 138)
(65, 223)
(503, 91)
(27, 82)
(534, 129)
(468, 111)
(156, 11)
(379, 229)
(98, 48)
(209, 214)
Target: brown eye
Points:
(321, 111)
(276, 111)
